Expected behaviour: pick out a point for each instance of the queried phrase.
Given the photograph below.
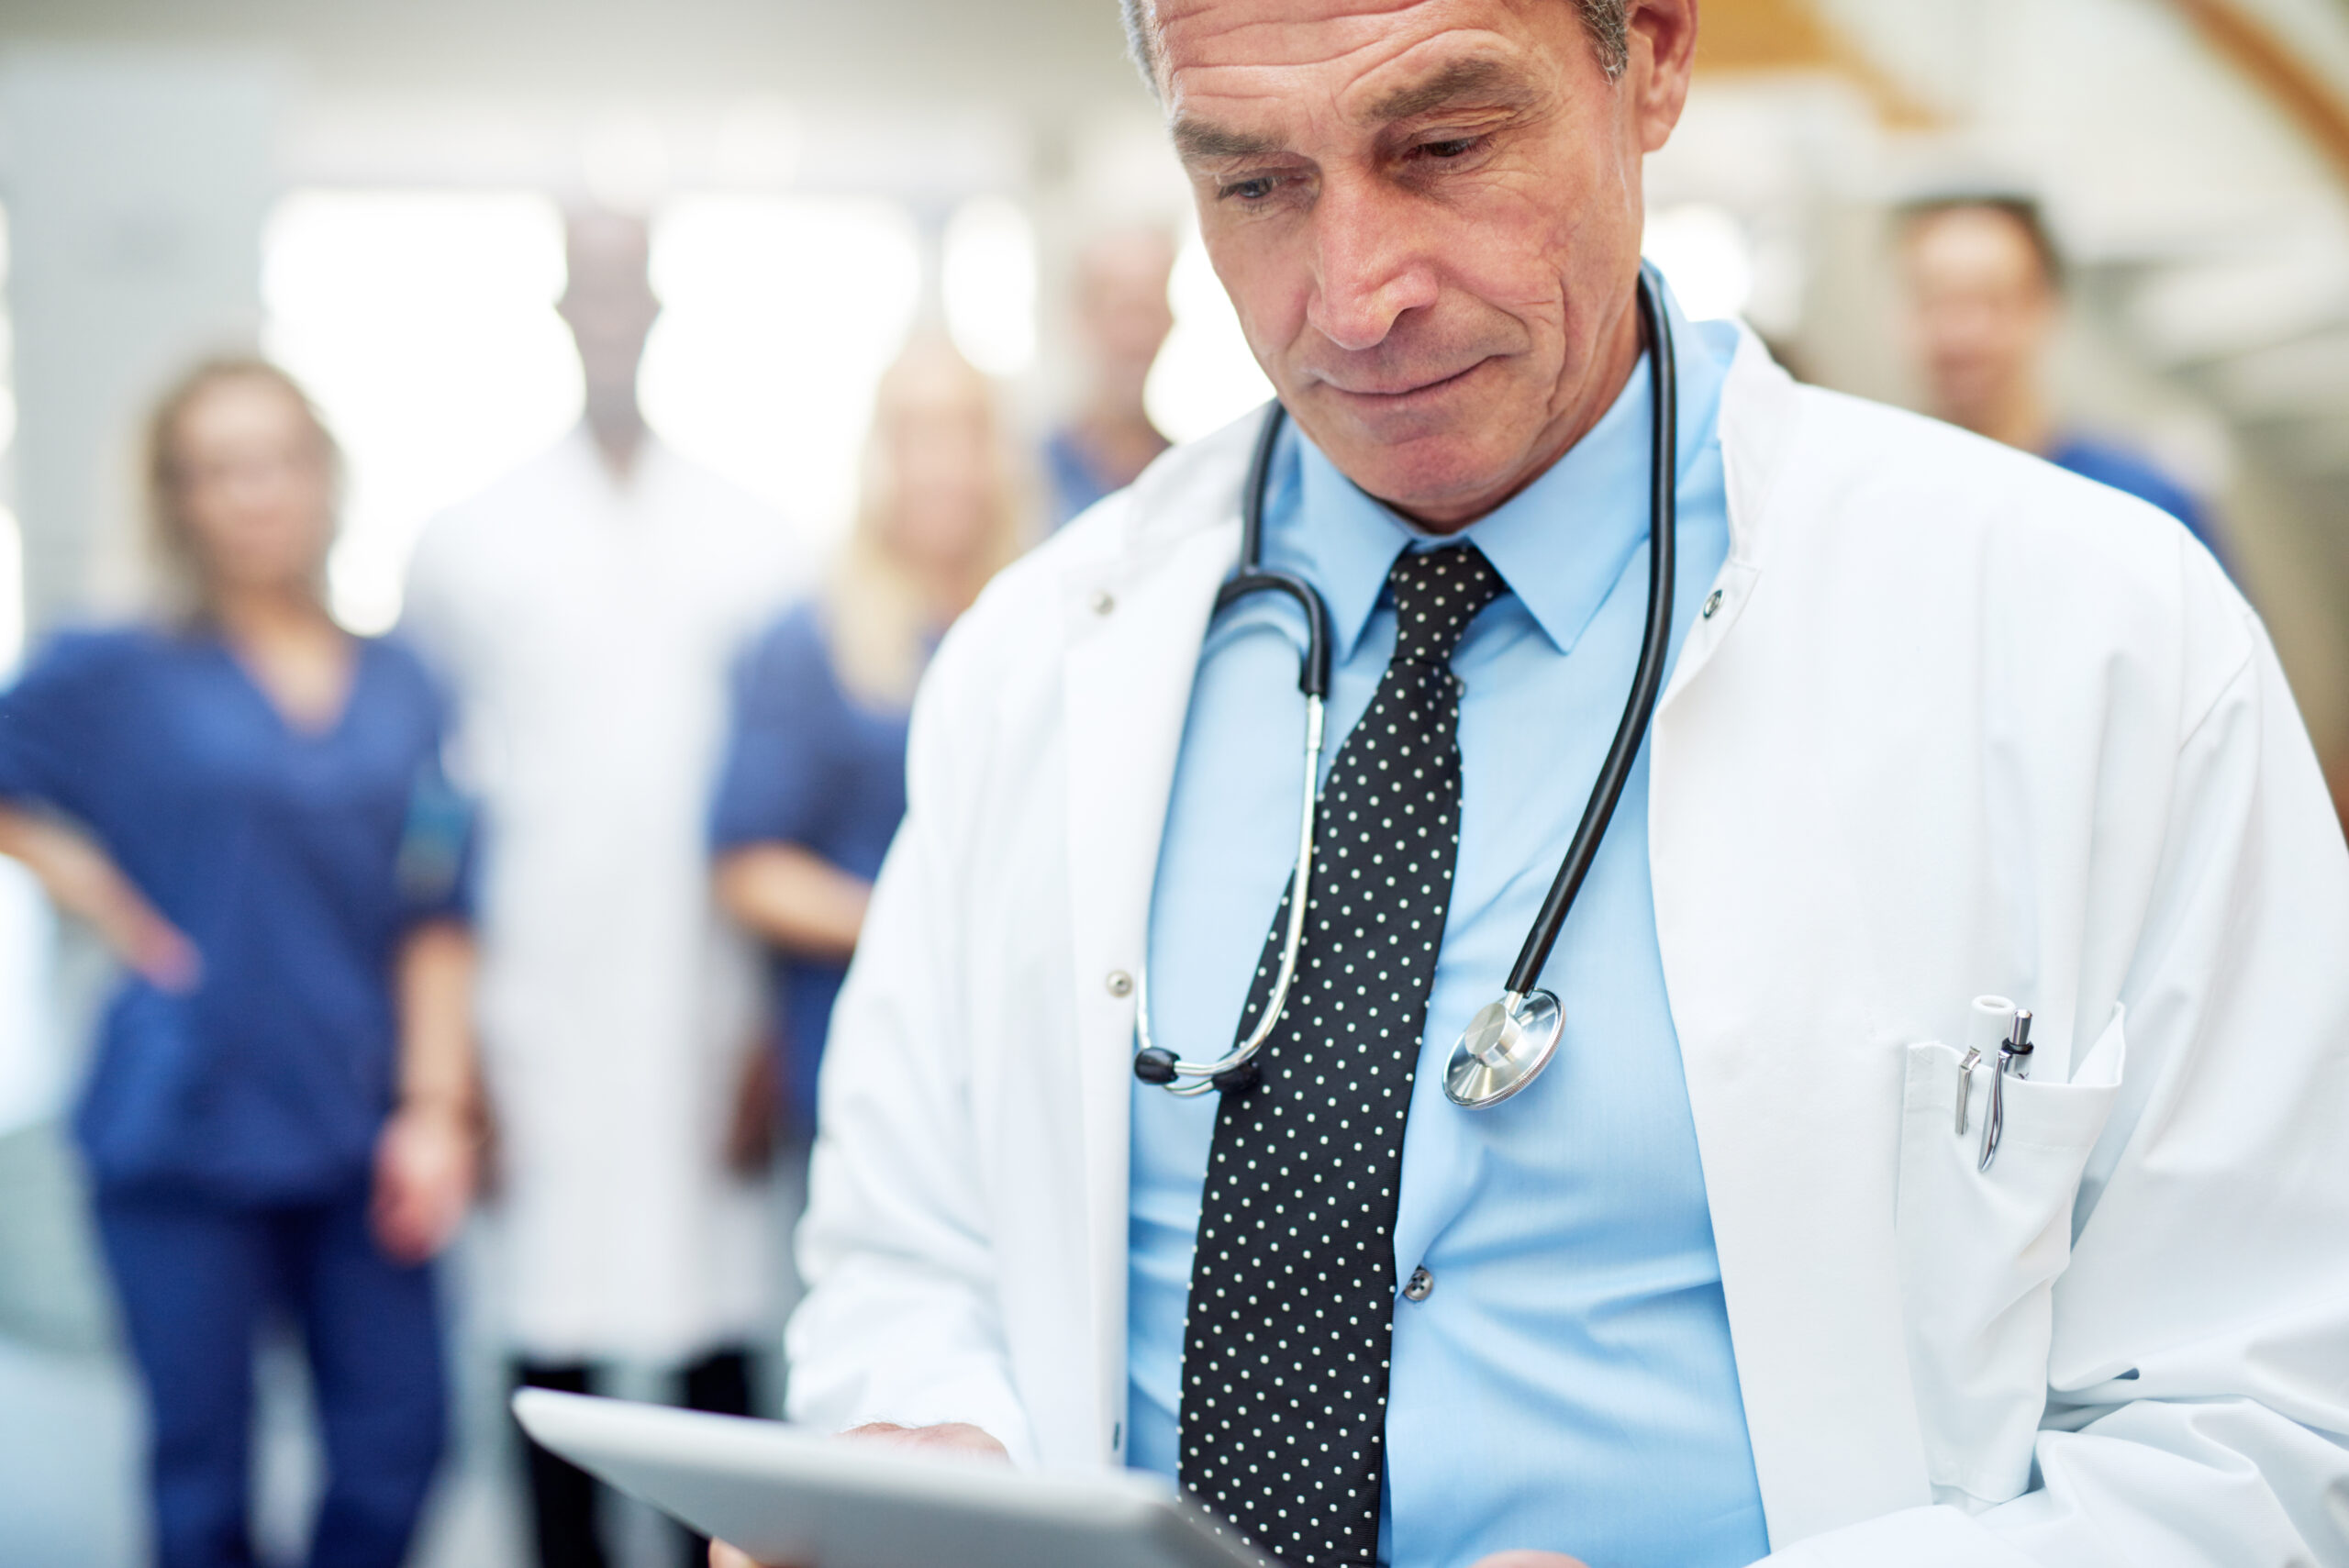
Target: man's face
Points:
(608, 303)
(1427, 212)
(1981, 310)
(1121, 298)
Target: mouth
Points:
(1397, 396)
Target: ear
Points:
(1661, 36)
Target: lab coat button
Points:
(1420, 1286)
(1103, 603)
(1121, 984)
(1712, 603)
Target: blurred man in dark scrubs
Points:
(1985, 288)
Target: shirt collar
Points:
(1561, 544)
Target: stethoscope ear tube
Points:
(1313, 670)
(1655, 646)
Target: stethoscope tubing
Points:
(1236, 1067)
(1655, 646)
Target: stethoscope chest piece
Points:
(1505, 1046)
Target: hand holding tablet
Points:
(954, 1439)
(896, 1498)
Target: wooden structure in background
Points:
(1772, 36)
(2252, 48)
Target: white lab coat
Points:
(1957, 724)
(587, 628)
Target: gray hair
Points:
(1607, 22)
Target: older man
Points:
(1746, 1272)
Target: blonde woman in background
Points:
(814, 781)
(245, 803)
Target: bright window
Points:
(1206, 377)
(424, 325)
(779, 315)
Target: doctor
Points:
(585, 608)
(1727, 1281)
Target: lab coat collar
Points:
(1560, 544)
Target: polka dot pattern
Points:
(1286, 1342)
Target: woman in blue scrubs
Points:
(814, 781)
(246, 804)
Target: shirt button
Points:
(1120, 983)
(1420, 1286)
(1103, 603)
(1712, 603)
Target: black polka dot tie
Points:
(1285, 1348)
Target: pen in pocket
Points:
(2014, 1057)
(1986, 1023)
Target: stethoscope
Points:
(1511, 1039)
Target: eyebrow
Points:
(1198, 140)
(1490, 80)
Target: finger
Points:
(398, 1232)
(395, 1213)
(724, 1556)
(163, 957)
(957, 1438)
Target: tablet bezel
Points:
(785, 1493)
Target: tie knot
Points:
(1437, 594)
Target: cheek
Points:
(1267, 279)
(1551, 232)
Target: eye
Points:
(1450, 147)
(1248, 191)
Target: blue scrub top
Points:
(294, 862)
(2125, 471)
(1074, 484)
(811, 765)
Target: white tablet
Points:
(788, 1495)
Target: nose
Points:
(1370, 269)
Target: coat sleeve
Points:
(2198, 1378)
(901, 1322)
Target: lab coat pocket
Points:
(1980, 1252)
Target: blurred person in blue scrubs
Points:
(246, 803)
(1123, 320)
(1985, 290)
(814, 781)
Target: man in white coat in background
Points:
(586, 610)
(1732, 1278)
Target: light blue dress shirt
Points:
(1569, 1383)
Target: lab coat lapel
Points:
(1135, 622)
(1798, 1143)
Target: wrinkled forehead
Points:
(1187, 38)
(1237, 75)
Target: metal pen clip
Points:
(1965, 1084)
(1988, 1021)
(2014, 1057)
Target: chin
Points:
(1426, 475)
